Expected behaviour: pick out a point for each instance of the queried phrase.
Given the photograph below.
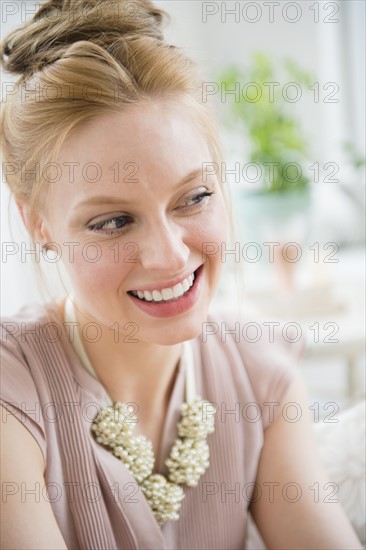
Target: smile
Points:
(170, 301)
(166, 294)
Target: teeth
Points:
(178, 290)
(157, 297)
(185, 285)
(166, 293)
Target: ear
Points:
(23, 210)
(41, 232)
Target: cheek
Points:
(211, 234)
(218, 223)
(213, 227)
(94, 265)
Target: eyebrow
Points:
(108, 199)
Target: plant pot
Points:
(281, 216)
(279, 223)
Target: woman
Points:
(137, 419)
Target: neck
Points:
(139, 372)
(135, 372)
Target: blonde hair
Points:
(78, 59)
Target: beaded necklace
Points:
(113, 427)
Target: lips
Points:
(172, 306)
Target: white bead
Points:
(188, 458)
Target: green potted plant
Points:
(263, 112)
(277, 208)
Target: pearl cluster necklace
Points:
(113, 428)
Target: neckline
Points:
(180, 387)
(77, 345)
(92, 387)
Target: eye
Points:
(111, 226)
(197, 199)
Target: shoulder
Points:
(261, 352)
(28, 324)
(258, 339)
(28, 341)
(21, 332)
(22, 345)
(253, 332)
(18, 329)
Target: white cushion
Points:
(342, 450)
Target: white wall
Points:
(314, 40)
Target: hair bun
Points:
(45, 37)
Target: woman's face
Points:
(133, 218)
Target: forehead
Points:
(161, 138)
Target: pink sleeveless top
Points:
(96, 501)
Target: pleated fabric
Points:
(95, 500)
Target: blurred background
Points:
(286, 81)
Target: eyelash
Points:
(97, 227)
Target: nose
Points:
(163, 249)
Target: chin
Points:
(175, 331)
